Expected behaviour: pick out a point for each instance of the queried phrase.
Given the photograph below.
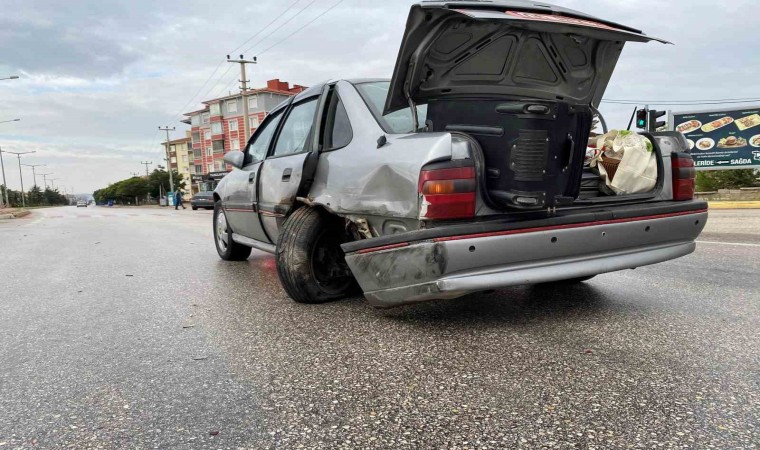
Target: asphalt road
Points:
(121, 328)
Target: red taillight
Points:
(684, 176)
(447, 193)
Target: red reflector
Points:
(449, 206)
(684, 175)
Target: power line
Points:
(267, 26)
(682, 102)
(301, 28)
(228, 86)
(281, 25)
(189, 102)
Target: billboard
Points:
(722, 139)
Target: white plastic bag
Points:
(637, 171)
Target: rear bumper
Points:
(455, 265)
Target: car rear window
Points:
(397, 122)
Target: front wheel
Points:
(310, 262)
(228, 249)
(194, 208)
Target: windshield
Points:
(397, 122)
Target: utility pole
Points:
(51, 182)
(21, 177)
(7, 202)
(244, 90)
(146, 163)
(34, 175)
(168, 158)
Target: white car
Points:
(81, 203)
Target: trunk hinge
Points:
(408, 94)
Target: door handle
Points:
(252, 177)
(286, 174)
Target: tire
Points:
(310, 262)
(228, 249)
(194, 208)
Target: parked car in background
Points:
(81, 203)
(202, 200)
(460, 174)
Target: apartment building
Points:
(218, 127)
(180, 158)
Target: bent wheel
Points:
(310, 262)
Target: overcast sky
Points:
(99, 76)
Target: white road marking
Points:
(728, 243)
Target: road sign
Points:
(723, 139)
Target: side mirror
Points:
(235, 158)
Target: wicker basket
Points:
(610, 166)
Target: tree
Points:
(708, 181)
(160, 178)
(132, 187)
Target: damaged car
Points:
(462, 173)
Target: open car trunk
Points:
(522, 78)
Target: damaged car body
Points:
(462, 173)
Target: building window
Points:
(207, 135)
(210, 167)
(231, 106)
(191, 155)
(234, 144)
(209, 151)
(216, 128)
(195, 120)
(198, 170)
(253, 102)
(218, 146)
(232, 124)
(184, 158)
(196, 137)
(215, 109)
(204, 118)
(219, 164)
(253, 122)
(174, 160)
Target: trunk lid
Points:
(522, 49)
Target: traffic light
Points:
(652, 123)
(641, 118)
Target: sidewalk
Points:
(734, 205)
(12, 213)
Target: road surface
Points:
(121, 328)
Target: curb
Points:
(14, 215)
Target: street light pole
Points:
(20, 175)
(34, 175)
(44, 178)
(7, 201)
(53, 184)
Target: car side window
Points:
(338, 127)
(258, 148)
(296, 130)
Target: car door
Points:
(242, 203)
(283, 170)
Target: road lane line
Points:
(728, 243)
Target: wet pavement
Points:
(121, 328)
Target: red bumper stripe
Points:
(536, 230)
(568, 226)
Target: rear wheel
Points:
(228, 249)
(310, 262)
(194, 208)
